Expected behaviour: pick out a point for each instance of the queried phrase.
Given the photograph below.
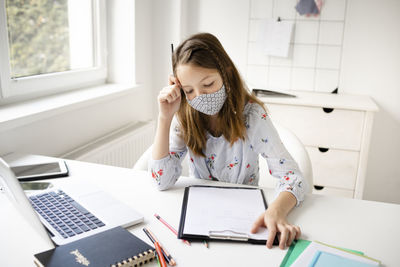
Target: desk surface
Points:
(371, 227)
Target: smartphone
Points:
(35, 186)
(39, 171)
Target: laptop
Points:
(69, 212)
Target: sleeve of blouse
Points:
(265, 140)
(167, 170)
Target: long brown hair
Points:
(204, 50)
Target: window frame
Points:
(45, 84)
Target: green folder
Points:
(294, 251)
(298, 247)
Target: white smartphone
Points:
(39, 171)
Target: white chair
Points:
(289, 139)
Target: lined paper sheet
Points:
(224, 211)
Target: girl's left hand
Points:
(275, 221)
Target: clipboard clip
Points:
(228, 235)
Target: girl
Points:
(224, 128)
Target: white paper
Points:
(275, 37)
(219, 210)
(308, 254)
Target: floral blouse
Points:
(237, 163)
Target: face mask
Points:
(209, 104)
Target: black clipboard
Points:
(226, 235)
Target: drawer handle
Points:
(327, 110)
(323, 149)
(318, 187)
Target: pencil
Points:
(158, 261)
(205, 243)
(166, 254)
(146, 231)
(170, 227)
(160, 255)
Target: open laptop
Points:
(69, 213)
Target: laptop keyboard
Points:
(66, 215)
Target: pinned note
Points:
(275, 37)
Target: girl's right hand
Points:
(169, 98)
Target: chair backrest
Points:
(289, 139)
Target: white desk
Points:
(371, 227)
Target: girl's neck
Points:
(212, 125)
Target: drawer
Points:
(330, 191)
(337, 128)
(333, 167)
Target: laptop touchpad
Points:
(110, 210)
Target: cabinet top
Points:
(327, 100)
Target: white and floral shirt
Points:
(237, 163)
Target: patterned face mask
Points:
(209, 104)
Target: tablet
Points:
(39, 171)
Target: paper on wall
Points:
(275, 37)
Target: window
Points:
(49, 46)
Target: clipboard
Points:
(222, 213)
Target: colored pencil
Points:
(153, 239)
(170, 227)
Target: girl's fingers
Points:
(169, 93)
(292, 235)
(170, 98)
(284, 238)
(258, 223)
(174, 80)
(298, 232)
(171, 80)
(174, 93)
(271, 235)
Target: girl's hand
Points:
(275, 221)
(169, 99)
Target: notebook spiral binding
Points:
(137, 260)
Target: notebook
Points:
(222, 213)
(114, 247)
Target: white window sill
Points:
(19, 114)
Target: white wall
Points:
(227, 20)
(371, 66)
(369, 63)
(166, 29)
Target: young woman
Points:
(207, 111)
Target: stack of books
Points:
(317, 254)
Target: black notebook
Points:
(114, 247)
(222, 213)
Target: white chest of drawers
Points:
(336, 131)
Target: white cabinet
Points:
(336, 131)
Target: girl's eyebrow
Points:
(183, 86)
